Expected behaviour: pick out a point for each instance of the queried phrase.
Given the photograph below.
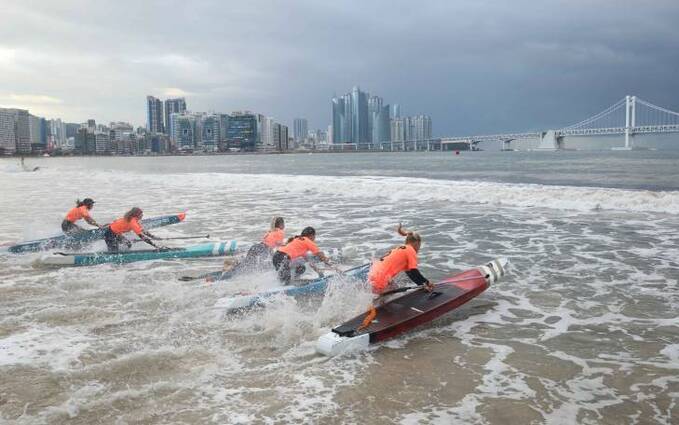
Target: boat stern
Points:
(332, 344)
(495, 270)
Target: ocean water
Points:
(584, 329)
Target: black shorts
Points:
(283, 266)
(114, 242)
(281, 263)
(70, 228)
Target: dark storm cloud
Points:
(475, 66)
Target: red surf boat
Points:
(413, 309)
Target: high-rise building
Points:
(398, 132)
(265, 134)
(101, 142)
(280, 137)
(8, 142)
(242, 131)
(300, 129)
(379, 120)
(71, 129)
(223, 127)
(183, 131)
(418, 128)
(15, 131)
(360, 129)
(57, 131)
(396, 112)
(351, 119)
(209, 132)
(154, 115)
(341, 119)
(173, 106)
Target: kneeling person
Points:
(128, 223)
(294, 253)
(400, 259)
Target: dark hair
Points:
(308, 231)
(88, 202)
(135, 212)
(277, 223)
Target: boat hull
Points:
(411, 310)
(313, 287)
(88, 259)
(87, 236)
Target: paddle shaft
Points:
(407, 288)
(184, 237)
(174, 239)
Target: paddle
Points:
(203, 276)
(407, 288)
(174, 238)
(341, 272)
(184, 237)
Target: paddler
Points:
(271, 240)
(81, 211)
(294, 253)
(383, 271)
(128, 223)
(400, 259)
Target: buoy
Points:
(457, 152)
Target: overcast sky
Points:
(475, 66)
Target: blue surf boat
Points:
(85, 237)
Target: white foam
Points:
(57, 348)
(393, 190)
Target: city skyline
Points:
(478, 67)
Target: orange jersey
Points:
(299, 247)
(274, 238)
(121, 226)
(77, 213)
(386, 268)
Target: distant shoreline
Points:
(227, 154)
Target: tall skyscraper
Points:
(15, 130)
(172, 106)
(57, 130)
(398, 132)
(379, 122)
(396, 113)
(360, 129)
(242, 131)
(8, 142)
(350, 118)
(341, 121)
(209, 132)
(154, 115)
(183, 131)
(300, 129)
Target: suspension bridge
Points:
(629, 116)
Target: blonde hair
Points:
(411, 237)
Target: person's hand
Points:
(429, 287)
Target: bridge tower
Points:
(550, 140)
(630, 119)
